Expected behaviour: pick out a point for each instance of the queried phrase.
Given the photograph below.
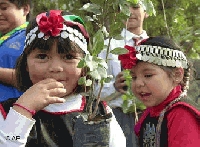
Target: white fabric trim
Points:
(73, 102)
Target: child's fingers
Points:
(54, 84)
(122, 91)
(119, 75)
(60, 92)
(122, 88)
(46, 81)
(119, 87)
(51, 83)
(55, 99)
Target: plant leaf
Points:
(82, 80)
(98, 43)
(118, 51)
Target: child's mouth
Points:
(144, 96)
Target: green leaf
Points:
(94, 74)
(82, 80)
(102, 72)
(197, 32)
(150, 7)
(81, 63)
(124, 97)
(119, 50)
(108, 79)
(115, 31)
(134, 2)
(98, 43)
(194, 55)
(124, 8)
(118, 37)
(90, 63)
(101, 62)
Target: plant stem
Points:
(136, 115)
(97, 103)
(164, 14)
(108, 49)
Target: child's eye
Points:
(41, 56)
(3, 7)
(69, 57)
(148, 76)
(134, 77)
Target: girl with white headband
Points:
(47, 72)
(160, 79)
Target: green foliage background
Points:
(178, 19)
(182, 18)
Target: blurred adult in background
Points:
(13, 17)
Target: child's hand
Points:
(42, 94)
(120, 84)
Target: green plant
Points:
(108, 16)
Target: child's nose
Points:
(56, 65)
(139, 82)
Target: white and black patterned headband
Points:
(53, 24)
(161, 56)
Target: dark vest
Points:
(148, 131)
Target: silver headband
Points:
(161, 56)
(67, 32)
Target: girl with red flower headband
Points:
(160, 79)
(47, 72)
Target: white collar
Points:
(128, 35)
(73, 103)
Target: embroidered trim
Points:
(6, 36)
(161, 56)
(161, 117)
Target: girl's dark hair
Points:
(64, 45)
(20, 4)
(166, 42)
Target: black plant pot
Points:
(91, 133)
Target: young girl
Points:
(47, 73)
(160, 79)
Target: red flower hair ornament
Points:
(50, 24)
(54, 24)
(128, 60)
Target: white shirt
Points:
(114, 66)
(16, 124)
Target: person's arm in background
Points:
(7, 76)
